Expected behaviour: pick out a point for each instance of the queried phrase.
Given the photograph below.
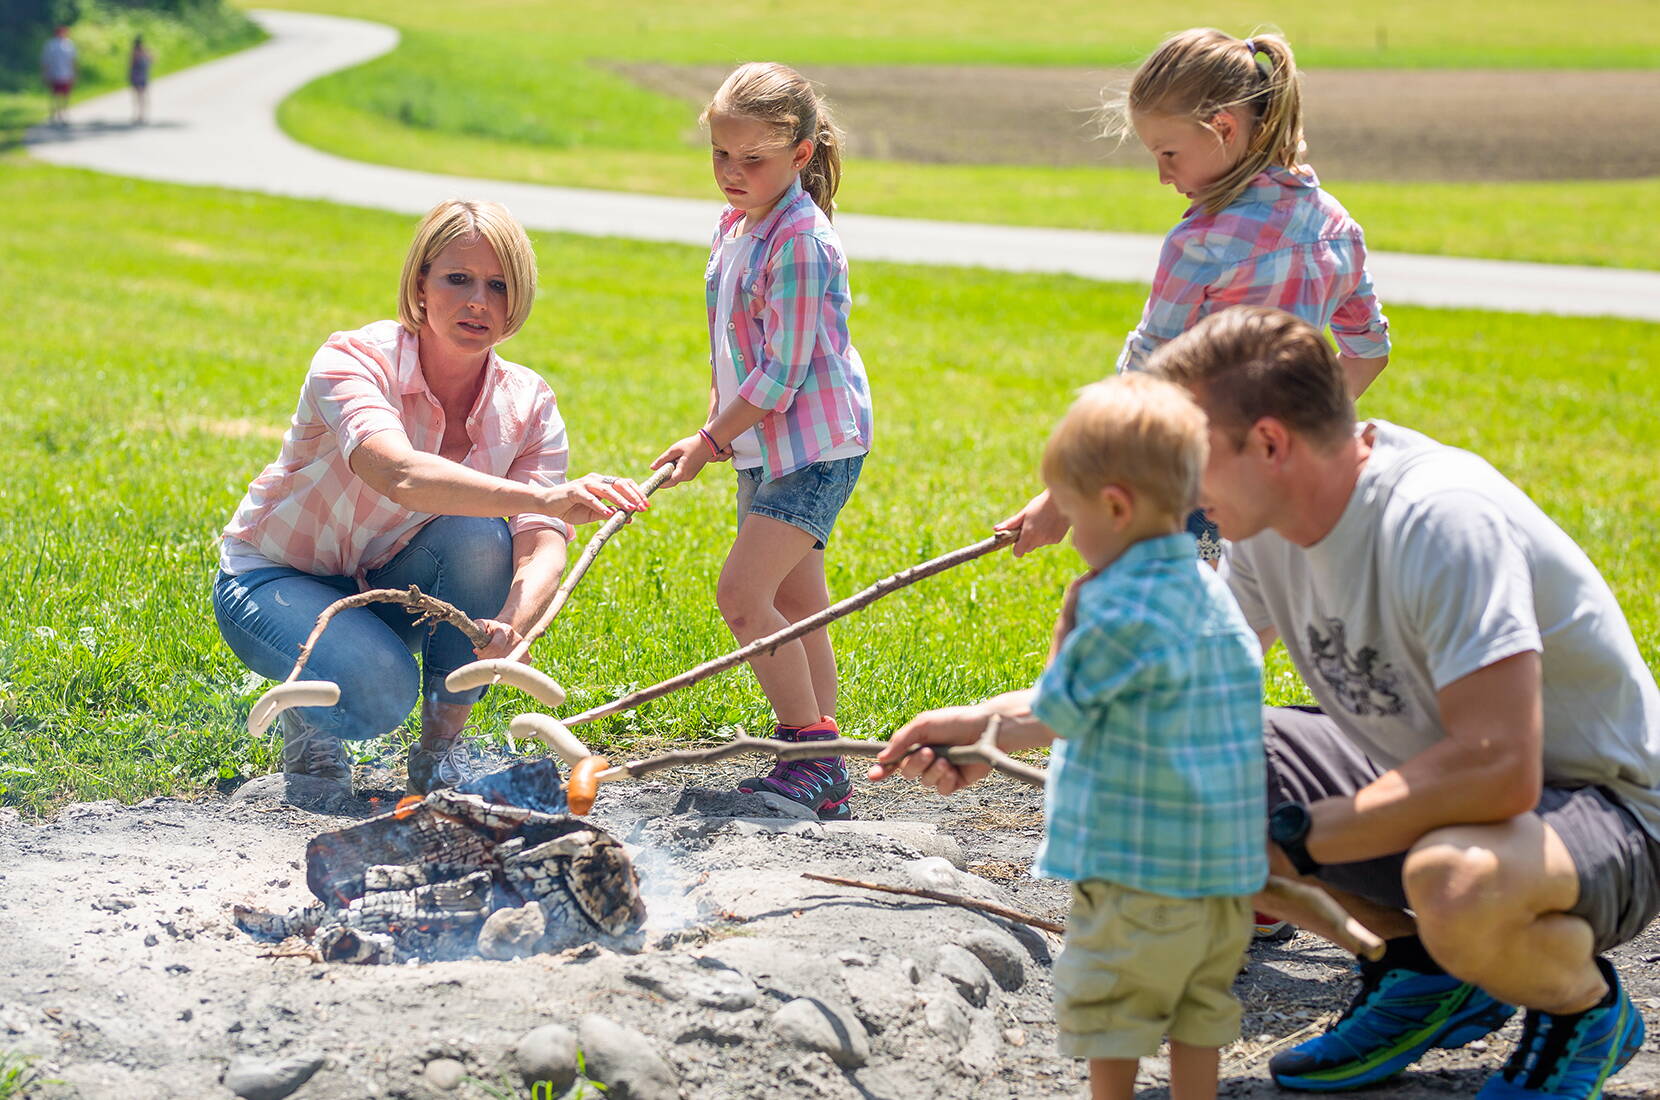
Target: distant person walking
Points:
(138, 75)
(57, 69)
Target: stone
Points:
(270, 1079)
(307, 792)
(926, 838)
(512, 933)
(655, 973)
(1001, 954)
(725, 990)
(445, 1074)
(547, 1054)
(625, 1062)
(958, 966)
(947, 1018)
(809, 1022)
(785, 807)
(1014, 1036)
(933, 873)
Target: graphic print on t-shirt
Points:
(1362, 685)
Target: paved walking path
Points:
(215, 124)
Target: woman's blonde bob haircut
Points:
(464, 219)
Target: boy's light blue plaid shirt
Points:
(1157, 692)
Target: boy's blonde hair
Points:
(781, 97)
(462, 219)
(1199, 72)
(1136, 431)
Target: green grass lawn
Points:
(517, 94)
(160, 365)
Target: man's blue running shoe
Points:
(1397, 1015)
(1570, 1056)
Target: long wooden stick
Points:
(949, 899)
(425, 608)
(790, 633)
(589, 553)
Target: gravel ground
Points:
(123, 975)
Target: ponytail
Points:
(1200, 72)
(779, 96)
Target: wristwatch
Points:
(1288, 826)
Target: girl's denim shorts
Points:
(810, 498)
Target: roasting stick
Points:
(295, 692)
(512, 669)
(1306, 906)
(894, 583)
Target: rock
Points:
(625, 1062)
(1014, 1036)
(113, 903)
(785, 807)
(512, 933)
(270, 1079)
(706, 803)
(912, 971)
(1001, 954)
(947, 1018)
(809, 1022)
(547, 1054)
(305, 791)
(445, 1074)
(927, 838)
(933, 873)
(726, 990)
(854, 958)
(958, 966)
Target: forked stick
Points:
(294, 692)
(881, 588)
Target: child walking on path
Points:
(1223, 119)
(1153, 700)
(789, 402)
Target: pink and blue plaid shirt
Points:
(307, 510)
(1283, 243)
(788, 334)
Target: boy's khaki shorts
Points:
(1137, 967)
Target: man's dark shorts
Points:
(1309, 758)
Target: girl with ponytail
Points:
(789, 403)
(1223, 119)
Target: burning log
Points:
(422, 880)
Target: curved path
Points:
(215, 124)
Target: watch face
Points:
(1289, 822)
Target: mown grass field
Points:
(163, 333)
(520, 92)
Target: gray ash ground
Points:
(122, 973)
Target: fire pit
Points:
(496, 867)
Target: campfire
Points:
(495, 868)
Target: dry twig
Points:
(425, 608)
(949, 899)
(806, 626)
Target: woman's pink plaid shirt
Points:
(1283, 243)
(309, 511)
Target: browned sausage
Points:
(583, 785)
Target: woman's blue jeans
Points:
(265, 616)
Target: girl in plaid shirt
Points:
(789, 404)
(1223, 119)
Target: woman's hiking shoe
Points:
(820, 784)
(1397, 1015)
(1571, 1056)
(449, 765)
(1271, 930)
(307, 750)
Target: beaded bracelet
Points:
(714, 448)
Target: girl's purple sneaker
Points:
(821, 784)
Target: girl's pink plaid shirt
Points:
(788, 334)
(309, 511)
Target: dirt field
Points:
(123, 974)
(1371, 125)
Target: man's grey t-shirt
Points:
(1439, 567)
